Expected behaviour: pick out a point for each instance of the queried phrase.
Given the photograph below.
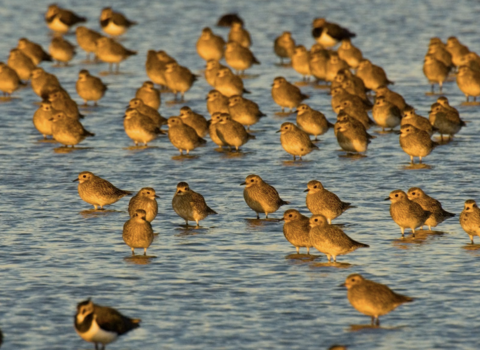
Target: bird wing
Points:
(337, 32)
(121, 20)
(113, 321)
(69, 18)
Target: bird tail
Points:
(251, 137)
(201, 141)
(390, 82)
(282, 202)
(330, 125)
(362, 245)
(348, 206)
(210, 211)
(127, 193)
(462, 123)
(405, 299)
(245, 91)
(448, 214)
(304, 97)
(88, 133)
(130, 52)
(46, 57)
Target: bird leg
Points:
(411, 160)
(471, 239)
(258, 216)
(378, 321)
(373, 321)
(308, 250)
(145, 251)
(198, 225)
(133, 251)
(440, 87)
(413, 230)
(420, 160)
(294, 158)
(298, 250)
(432, 88)
(186, 223)
(266, 215)
(403, 231)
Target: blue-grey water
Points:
(231, 284)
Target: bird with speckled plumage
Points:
(295, 141)
(98, 192)
(416, 142)
(371, 298)
(330, 239)
(405, 212)
(470, 219)
(145, 199)
(138, 232)
(190, 205)
(296, 229)
(260, 196)
(321, 201)
(437, 213)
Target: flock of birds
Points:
(231, 117)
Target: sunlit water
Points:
(233, 283)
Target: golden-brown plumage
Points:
(260, 196)
(371, 298)
(98, 192)
(296, 229)
(190, 205)
(138, 232)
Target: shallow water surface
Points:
(235, 283)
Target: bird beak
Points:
(386, 199)
(306, 190)
(272, 84)
(342, 285)
(156, 196)
(398, 132)
(282, 219)
(295, 111)
(127, 106)
(206, 99)
(278, 131)
(243, 184)
(75, 180)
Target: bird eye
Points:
(251, 180)
(396, 195)
(148, 192)
(314, 186)
(290, 216)
(84, 176)
(468, 208)
(316, 220)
